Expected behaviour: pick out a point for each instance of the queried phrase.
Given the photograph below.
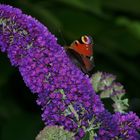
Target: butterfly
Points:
(81, 53)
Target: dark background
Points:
(115, 27)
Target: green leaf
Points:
(121, 105)
(96, 81)
(55, 133)
(87, 136)
(106, 94)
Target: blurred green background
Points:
(115, 27)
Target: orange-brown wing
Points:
(89, 64)
(83, 49)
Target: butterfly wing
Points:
(81, 53)
(89, 64)
(76, 58)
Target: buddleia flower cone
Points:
(64, 93)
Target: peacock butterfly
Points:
(81, 53)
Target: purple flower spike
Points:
(64, 92)
(108, 127)
(118, 126)
(129, 125)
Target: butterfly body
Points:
(81, 53)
